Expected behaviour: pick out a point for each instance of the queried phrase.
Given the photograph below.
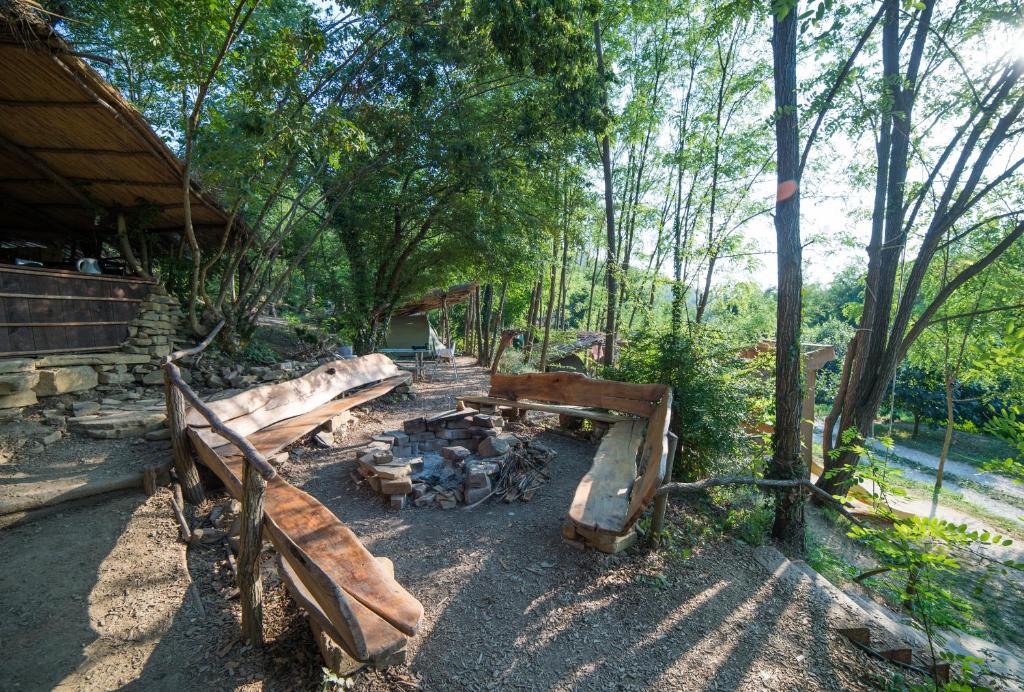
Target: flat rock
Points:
(154, 377)
(85, 408)
(496, 446)
(456, 453)
(54, 381)
(392, 472)
(9, 365)
(14, 382)
(116, 378)
(18, 400)
(113, 358)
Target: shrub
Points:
(712, 401)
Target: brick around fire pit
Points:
(435, 459)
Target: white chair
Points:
(447, 354)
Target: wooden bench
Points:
(350, 595)
(632, 459)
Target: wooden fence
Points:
(52, 311)
(255, 474)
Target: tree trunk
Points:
(486, 319)
(532, 321)
(875, 350)
(506, 338)
(126, 248)
(467, 327)
(551, 302)
(562, 281)
(478, 325)
(786, 463)
(593, 283)
(611, 268)
(499, 318)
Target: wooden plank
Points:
(76, 349)
(601, 502)
(265, 405)
(15, 325)
(577, 411)
(40, 271)
(579, 390)
(50, 296)
(371, 639)
(654, 460)
(327, 556)
(274, 438)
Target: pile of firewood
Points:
(523, 472)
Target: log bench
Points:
(351, 596)
(631, 461)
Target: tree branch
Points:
(707, 483)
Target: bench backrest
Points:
(654, 461)
(652, 401)
(574, 389)
(256, 408)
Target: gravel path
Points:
(97, 596)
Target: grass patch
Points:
(1007, 525)
(830, 565)
(1013, 500)
(969, 448)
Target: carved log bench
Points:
(351, 596)
(631, 461)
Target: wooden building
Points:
(89, 196)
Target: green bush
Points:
(713, 396)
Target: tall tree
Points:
(962, 181)
(611, 266)
(786, 463)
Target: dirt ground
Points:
(97, 595)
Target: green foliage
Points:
(711, 396)
(1008, 425)
(257, 352)
(921, 559)
(749, 514)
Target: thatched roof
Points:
(73, 151)
(432, 301)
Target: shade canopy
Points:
(74, 153)
(432, 301)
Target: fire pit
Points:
(456, 457)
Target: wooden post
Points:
(188, 474)
(250, 588)
(807, 422)
(661, 501)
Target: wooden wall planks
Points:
(50, 311)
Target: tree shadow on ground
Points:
(509, 604)
(51, 564)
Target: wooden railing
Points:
(256, 471)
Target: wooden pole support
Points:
(661, 501)
(188, 474)
(250, 588)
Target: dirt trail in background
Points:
(922, 505)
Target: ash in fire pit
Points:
(459, 456)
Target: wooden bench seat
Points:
(632, 459)
(344, 588)
(601, 501)
(577, 411)
(273, 438)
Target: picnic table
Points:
(417, 357)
